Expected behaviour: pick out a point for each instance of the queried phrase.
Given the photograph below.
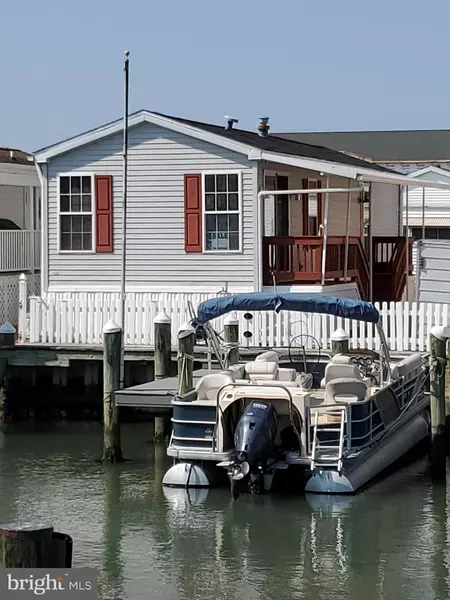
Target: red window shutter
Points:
(103, 213)
(193, 213)
(305, 207)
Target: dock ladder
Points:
(324, 455)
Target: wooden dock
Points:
(154, 395)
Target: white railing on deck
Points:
(17, 249)
(78, 318)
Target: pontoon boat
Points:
(336, 427)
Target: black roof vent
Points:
(230, 122)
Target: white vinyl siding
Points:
(158, 161)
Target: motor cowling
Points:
(254, 437)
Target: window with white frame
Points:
(222, 204)
(76, 213)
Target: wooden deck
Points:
(291, 260)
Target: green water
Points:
(391, 541)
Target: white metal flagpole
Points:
(124, 219)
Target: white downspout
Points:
(43, 180)
(32, 228)
(260, 214)
(325, 231)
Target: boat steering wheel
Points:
(297, 349)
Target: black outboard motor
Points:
(254, 441)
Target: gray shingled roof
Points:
(14, 156)
(407, 146)
(279, 145)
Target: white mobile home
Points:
(197, 222)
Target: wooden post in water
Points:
(112, 342)
(231, 335)
(34, 546)
(186, 339)
(163, 363)
(7, 340)
(438, 360)
(163, 345)
(3, 409)
(339, 341)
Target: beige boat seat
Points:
(345, 390)
(286, 374)
(408, 364)
(208, 386)
(337, 371)
(261, 370)
(341, 359)
(269, 356)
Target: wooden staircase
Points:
(389, 268)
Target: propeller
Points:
(240, 470)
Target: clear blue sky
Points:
(308, 64)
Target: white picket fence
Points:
(79, 318)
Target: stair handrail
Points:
(364, 279)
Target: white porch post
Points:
(370, 240)
(32, 227)
(325, 231)
(407, 241)
(423, 213)
(347, 236)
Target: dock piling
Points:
(231, 335)
(438, 359)
(160, 427)
(112, 342)
(34, 546)
(340, 341)
(186, 338)
(7, 335)
(163, 345)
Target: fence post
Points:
(23, 301)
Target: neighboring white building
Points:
(19, 212)
(428, 206)
(19, 228)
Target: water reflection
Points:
(392, 541)
(111, 580)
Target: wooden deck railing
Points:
(17, 250)
(299, 260)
